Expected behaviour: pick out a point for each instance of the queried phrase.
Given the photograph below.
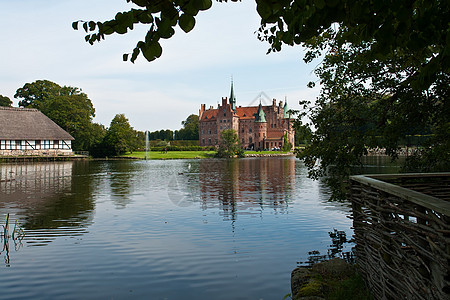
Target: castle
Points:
(258, 127)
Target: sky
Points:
(39, 43)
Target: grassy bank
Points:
(267, 152)
(190, 154)
(171, 154)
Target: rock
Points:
(313, 283)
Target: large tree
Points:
(189, 130)
(120, 137)
(67, 106)
(34, 94)
(229, 145)
(5, 101)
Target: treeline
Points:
(188, 132)
(73, 111)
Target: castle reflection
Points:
(247, 186)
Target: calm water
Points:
(180, 229)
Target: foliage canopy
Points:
(229, 145)
(5, 101)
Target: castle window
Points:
(250, 130)
(243, 141)
(203, 141)
(275, 125)
(250, 140)
(209, 141)
(215, 131)
(224, 114)
(203, 131)
(271, 125)
(209, 131)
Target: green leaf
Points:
(135, 54)
(186, 22)
(152, 51)
(85, 26)
(320, 4)
(92, 25)
(125, 57)
(202, 4)
(145, 18)
(75, 25)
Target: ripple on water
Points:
(194, 229)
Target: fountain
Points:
(147, 144)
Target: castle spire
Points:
(287, 115)
(260, 116)
(232, 97)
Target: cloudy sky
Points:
(38, 42)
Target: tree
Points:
(287, 146)
(67, 106)
(229, 145)
(34, 94)
(97, 135)
(5, 101)
(189, 130)
(120, 137)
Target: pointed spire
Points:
(232, 97)
(287, 115)
(260, 116)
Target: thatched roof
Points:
(29, 124)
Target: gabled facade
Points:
(258, 127)
(25, 131)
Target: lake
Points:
(174, 229)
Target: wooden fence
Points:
(402, 233)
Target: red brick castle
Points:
(259, 127)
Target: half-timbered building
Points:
(26, 131)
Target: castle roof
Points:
(29, 124)
(210, 114)
(286, 115)
(260, 116)
(244, 113)
(247, 113)
(232, 98)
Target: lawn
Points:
(266, 152)
(187, 154)
(171, 154)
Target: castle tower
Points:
(287, 115)
(232, 98)
(260, 128)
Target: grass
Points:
(186, 154)
(265, 152)
(171, 154)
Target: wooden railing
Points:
(402, 234)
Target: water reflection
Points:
(47, 199)
(246, 186)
